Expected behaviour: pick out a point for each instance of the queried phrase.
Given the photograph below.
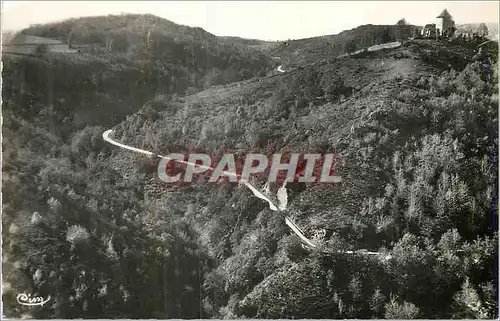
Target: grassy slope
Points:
(298, 52)
(230, 111)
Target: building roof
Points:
(444, 14)
(20, 39)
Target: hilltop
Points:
(302, 51)
(125, 60)
(128, 32)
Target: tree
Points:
(351, 46)
(401, 28)
(395, 310)
(402, 22)
(41, 49)
(69, 37)
(482, 30)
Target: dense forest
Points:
(92, 226)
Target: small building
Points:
(429, 30)
(32, 45)
(445, 24)
(417, 32)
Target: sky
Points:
(266, 20)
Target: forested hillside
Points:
(300, 51)
(92, 226)
(125, 61)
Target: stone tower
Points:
(445, 23)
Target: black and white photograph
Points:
(249, 159)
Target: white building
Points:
(32, 45)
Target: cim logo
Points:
(27, 299)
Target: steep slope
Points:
(379, 112)
(418, 159)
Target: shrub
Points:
(395, 310)
(77, 235)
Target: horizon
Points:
(269, 21)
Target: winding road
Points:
(254, 190)
(282, 196)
